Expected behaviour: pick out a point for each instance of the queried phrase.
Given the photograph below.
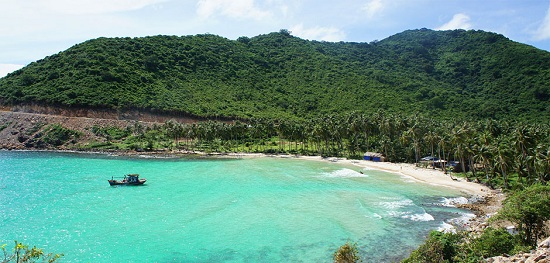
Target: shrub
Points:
(56, 135)
(439, 247)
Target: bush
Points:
(56, 135)
(439, 247)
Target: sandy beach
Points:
(422, 175)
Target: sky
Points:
(33, 29)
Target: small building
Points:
(375, 157)
(512, 230)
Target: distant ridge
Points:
(458, 74)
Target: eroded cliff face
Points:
(19, 130)
(95, 113)
(24, 126)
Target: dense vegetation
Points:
(459, 74)
(462, 247)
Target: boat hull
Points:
(118, 182)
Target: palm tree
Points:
(523, 145)
(459, 138)
(431, 138)
(543, 161)
(173, 128)
(482, 153)
(502, 159)
(441, 145)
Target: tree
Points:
(459, 138)
(285, 32)
(347, 253)
(528, 209)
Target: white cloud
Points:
(8, 68)
(331, 34)
(373, 7)
(459, 21)
(81, 7)
(231, 8)
(543, 32)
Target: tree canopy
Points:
(465, 74)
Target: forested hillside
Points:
(459, 74)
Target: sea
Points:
(263, 209)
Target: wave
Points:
(462, 220)
(349, 173)
(454, 201)
(419, 217)
(393, 205)
(446, 228)
(453, 224)
(399, 209)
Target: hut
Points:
(375, 157)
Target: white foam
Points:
(446, 228)
(419, 217)
(346, 173)
(454, 201)
(397, 204)
(462, 220)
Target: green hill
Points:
(464, 74)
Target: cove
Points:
(212, 210)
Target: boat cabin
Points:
(132, 178)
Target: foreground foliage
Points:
(23, 254)
(347, 253)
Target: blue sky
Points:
(33, 29)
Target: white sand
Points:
(424, 175)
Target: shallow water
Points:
(238, 210)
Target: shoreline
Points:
(434, 177)
(481, 200)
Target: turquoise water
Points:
(238, 210)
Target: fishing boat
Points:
(129, 179)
